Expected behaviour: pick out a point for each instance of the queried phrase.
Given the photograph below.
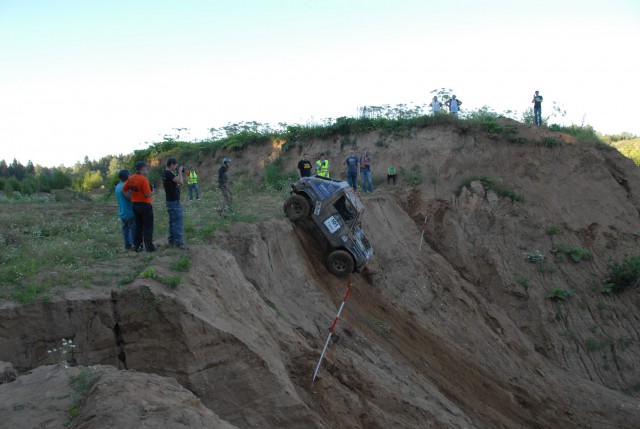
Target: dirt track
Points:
(444, 337)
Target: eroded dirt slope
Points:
(456, 332)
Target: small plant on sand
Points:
(149, 273)
(521, 280)
(181, 265)
(549, 142)
(534, 257)
(576, 254)
(66, 347)
(559, 294)
(81, 384)
(553, 230)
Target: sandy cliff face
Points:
(456, 332)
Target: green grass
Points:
(584, 134)
(52, 246)
(181, 265)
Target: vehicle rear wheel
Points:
(296, 207)
(340, 263)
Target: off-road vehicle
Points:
(336, 211)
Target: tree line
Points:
(83, 176)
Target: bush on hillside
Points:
(623, 275)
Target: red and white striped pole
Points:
(346, 295)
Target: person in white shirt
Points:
(436, 105)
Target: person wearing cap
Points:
(224, 185)
(172, 180)
(141, 199)
(125, 212)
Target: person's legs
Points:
(369, 181)
(195, 186)
(147, 232)
(364, 180)
(394, 179)
(353, 181)
(190, 192)
(128, 226)
(174, 209)
(172, 221)
(138, 214)
(537, 115)
(227, 199)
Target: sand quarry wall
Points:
(457, 334)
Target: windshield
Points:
(354, 200)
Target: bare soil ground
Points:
(454, 333)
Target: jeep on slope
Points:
(336, 210)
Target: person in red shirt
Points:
(141, 198)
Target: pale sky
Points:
(100, 77)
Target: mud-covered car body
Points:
(336, 210)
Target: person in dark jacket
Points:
(225, 185)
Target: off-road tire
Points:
(340, 263)
(296, 208)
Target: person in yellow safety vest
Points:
(322, 167)
(192, 181)
(391, 175)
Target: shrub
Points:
(534, 257)
(559, 294)
(411, 177)
(623, 275)
(276, 177)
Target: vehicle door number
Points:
(316, 211)
(332, 224)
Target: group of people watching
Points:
(454, 106)
(355, 166)
(134, 194)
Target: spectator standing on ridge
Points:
(192, 181)
(391, 175)
(352, 169)
(172, 180)
(304, 165)
(365, 172)
(322, 166)
(537, 108)
(125, 212)
(454, 105)
(141, 199)
(224, 183)
(435, 105)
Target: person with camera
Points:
(172, 179)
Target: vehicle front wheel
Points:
(340, 263)
(296, 207)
